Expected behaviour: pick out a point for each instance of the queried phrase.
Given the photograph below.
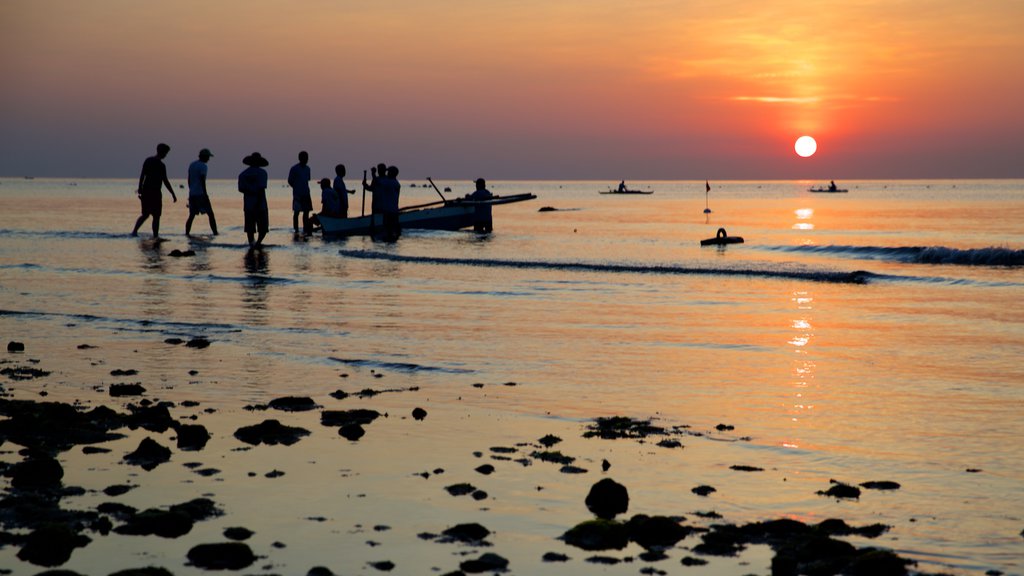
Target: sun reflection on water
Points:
(804, 214)
(803, 366)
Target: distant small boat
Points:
(827, 190)
(627, 192)
(722, 237)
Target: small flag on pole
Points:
(707, 186)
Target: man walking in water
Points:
(198, 198)
(298, 178)
(152, 179)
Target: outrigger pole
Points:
(438, 191)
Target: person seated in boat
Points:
(622, 186)
(331, 206)
(482, 223)
(832, 186)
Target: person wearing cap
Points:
(151, 181)
(298, 178)
(329, 200)
(482, 215)
(252, 183)
(198, 198)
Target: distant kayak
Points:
(721, 238)
(627, 192)
(827, 190)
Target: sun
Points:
(805, 146)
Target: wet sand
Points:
(371, 473)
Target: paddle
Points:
(435, 188)
(362, 211)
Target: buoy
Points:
(722, 237)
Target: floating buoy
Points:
(722, 237)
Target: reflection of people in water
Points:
(622, 186)
(198, 197)
(482, 216)
(252, 182)
(832, 185)
(151, 181)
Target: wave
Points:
(399, 366)
(991, 256)
(831, 276)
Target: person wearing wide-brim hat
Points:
(198, 197)
(252, 183)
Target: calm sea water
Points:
(874, 335)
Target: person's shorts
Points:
(199, 205)
(302, 203)
(152, 202)
(257, 221)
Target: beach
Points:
(869, 341)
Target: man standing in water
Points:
(298, 178)
(152, 179)
(252, 182)
(482, 222)
(198, 198)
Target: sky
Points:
(517, 89)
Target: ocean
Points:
(866, 336)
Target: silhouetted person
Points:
(832, 185)
(377, 175)
(341, 190)
(151, 181)
(298, 178)
(482, 215)
(252, 182)
(330, 205)
(622, 186)
(389, 190)
(198, 197)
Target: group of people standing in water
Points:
(252, 183)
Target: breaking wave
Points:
(991, 256)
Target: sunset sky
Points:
(552, 89)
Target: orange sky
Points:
(597, 89)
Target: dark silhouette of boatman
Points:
(198, 197)
(377, 176)
(298, 178)
(482, 223)
(341, 190)
(252, 182)
(152, 179)
(389, 189)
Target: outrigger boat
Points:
(828, 190)
(441, 215)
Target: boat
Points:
(441, 215)
(627, 192)
(827, 190)
(721, 238)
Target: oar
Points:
(435, 188)
(362, 211)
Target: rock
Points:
(605, 465)
(691, 561)
(120, 372)
(148, 571)
(294, 404)
(342, 417)
(670, 443)
(221, 556)
(724, 427)
(656, 531)
(117, 489)
(460, 489)
(467, 532)
(118, 390)
(485, 469)
(13, 346)
(319, 571)
(149, 454)
(51, 545)
(489, 562)
(181, 253)
(270, 432)
(419, 413)
(198, 343)
(549, 440)
(840, 490)
(554, 557)
(743, 468)
(384, 566)
(570, 469)
(703, 490)
(607, 498)
(352, 432)
(163, 523)
(598, 535)
(880, 485)
(173, 341)
(192, 436)
(36, 473)
(873, 562)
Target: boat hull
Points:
(450, 215)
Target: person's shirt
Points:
(388, 189)
(298, 178)
(329, 200)
(197, 171)
(252, 182)
(483, 211)
(341, 192)
(154, 174)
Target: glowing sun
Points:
(805, 146)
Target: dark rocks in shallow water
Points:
(549, 440)
(605, 465)
(656, 531)
(238, 534)
(485, 469)
(174, 341)
(24, 373)
(873, 562)
(691, 561)
(117, 489)
(118, 390)
(319, 571)
(607, 498)
(554, 557)
(383, 566)
(489, 562)
(471, 533)
(670, 443)
(703, 490)
(352, 432)
(840, 490)
(880, 485)
(181, 253)
(613, 427)
(598, 535)
(198, 509)
(148, 571)
(51, 545)
(744, 468)
(554, 457)
(342, 417)
(120, 372)
(192, 436)
(154, 522)
(198, 343)
(725, 541)
(149, 454)
(725, 427)
(570, 469)
(270, 432)
(36, 473)
(222, 556)
(13, 346)
(460, 489)
(419, 413)
(294, 404)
